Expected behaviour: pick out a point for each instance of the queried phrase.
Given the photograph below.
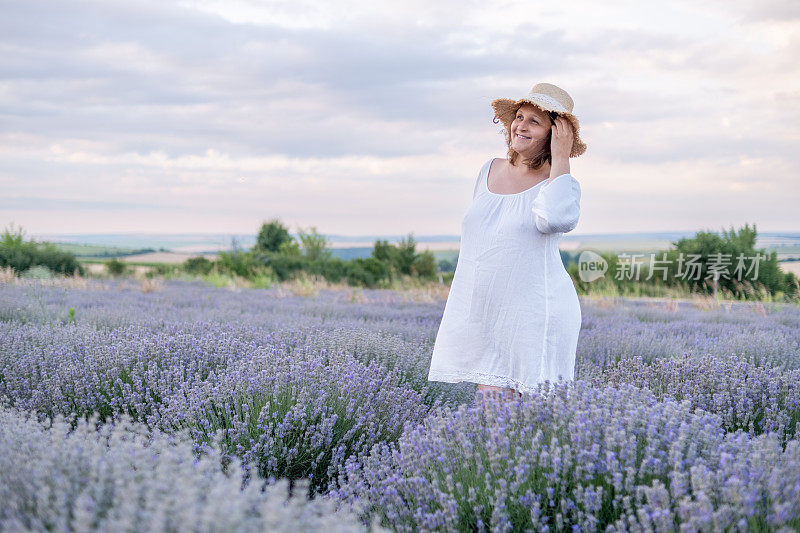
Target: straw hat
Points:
(546, 97)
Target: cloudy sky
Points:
(370, 117)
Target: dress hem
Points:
(483, 378)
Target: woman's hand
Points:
(561, 138)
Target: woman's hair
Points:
(538, 159)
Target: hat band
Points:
(547, 101)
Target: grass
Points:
(411, 288)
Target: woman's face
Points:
(529, 129)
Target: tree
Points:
(725, 249)
(406, 254)
(403, 258)
(289, 248)
(273, 234)
(13, 237)
(425, 265)
(315, 245)
(384, 251)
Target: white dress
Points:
(512, 317)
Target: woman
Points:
(512, 317)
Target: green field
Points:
(94, 251)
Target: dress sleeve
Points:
(557, 206)
(485, 168)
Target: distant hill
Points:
(787, 245)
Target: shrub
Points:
(289, 248)
(242, 264)
(262, 281)
(725, 250)
(220, 280)
(38, 272)
(115, 267)
(198, 265)
(300, 416)
(122, 477)
(611, 459)
(162, 269)
(21, 255)
(333, 270)
(284, 267)
(369, 272)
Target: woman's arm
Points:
(557, 206)
(560, 166)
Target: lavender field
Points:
(190, 408)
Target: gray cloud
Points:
(185, 81)
(59, 204)
(113, 79)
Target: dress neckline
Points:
(486, 184)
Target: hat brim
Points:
(506, 108)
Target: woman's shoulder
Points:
(495, 162)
